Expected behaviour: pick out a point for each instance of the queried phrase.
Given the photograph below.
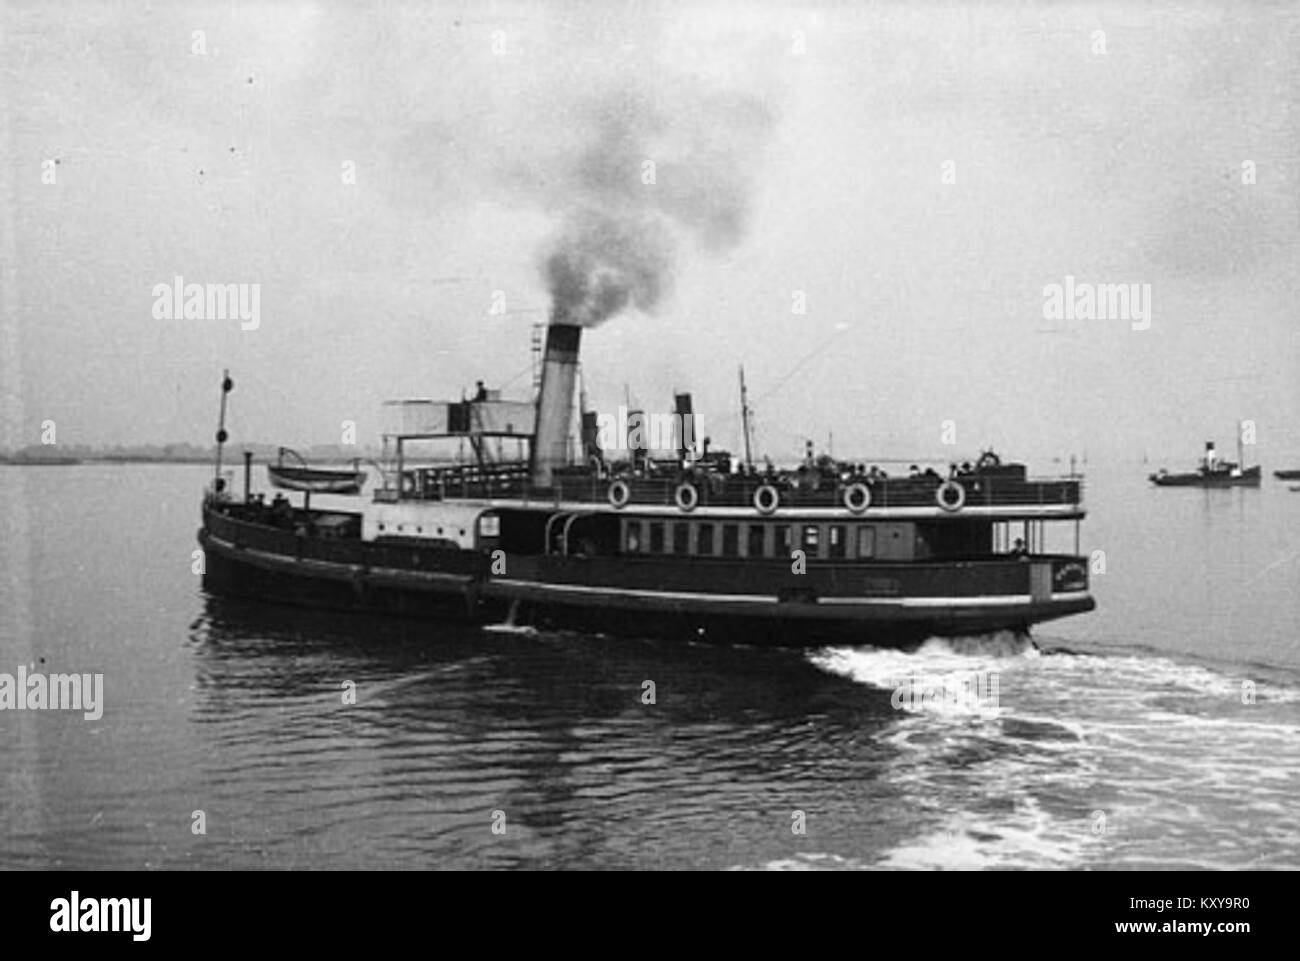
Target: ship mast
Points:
(226, 385)
(744, 418)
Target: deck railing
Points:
(510, 481)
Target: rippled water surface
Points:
(1160, 731)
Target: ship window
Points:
(656, 537)
(730, 540)
(866, 541)
(633, 536)
(681, 538)
(810, 532)
(704, 543)
(835, 540)
(782, 544)
(755, 548)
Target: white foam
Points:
(813, 861)
(525, 630)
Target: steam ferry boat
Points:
(687, 546)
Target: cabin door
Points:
(895, 542)
(1040, 581)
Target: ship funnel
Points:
(591, 436)
(555, 399)
(685, 424)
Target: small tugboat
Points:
(696, 545)
(1211, 472)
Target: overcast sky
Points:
(834, 125)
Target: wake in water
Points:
(1083, 759)
(960, 675)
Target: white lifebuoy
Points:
(857, 497)
(941, 498)
(766, 499)
(686, 496)
(619, 494)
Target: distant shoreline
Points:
(69, 460)
(74, 461)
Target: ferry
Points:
(538, 526)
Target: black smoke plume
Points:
(652, 172)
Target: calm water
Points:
(1121, 741)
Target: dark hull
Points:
(249, 574)
(606, 596)
(1247, 478)
(1287, 474)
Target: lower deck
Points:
(612, 577)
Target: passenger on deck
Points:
(931, 472)
(282, 511)
(1018, 549)
(914, 471)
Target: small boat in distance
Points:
(1287, 475)
(1211, 472)
(314, 480)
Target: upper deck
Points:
(1002, 492)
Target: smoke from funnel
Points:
(653, 172)
(601, 264)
